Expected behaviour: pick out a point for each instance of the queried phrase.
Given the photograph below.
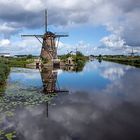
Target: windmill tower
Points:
(49, 46)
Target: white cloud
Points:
(113, 41)
(24, 46)
(4, 42)
(113, 73)
(120, 17)
(81, 46)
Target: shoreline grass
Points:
(127, 60)
(6, 64)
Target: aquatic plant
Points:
(7, 135)
(10, 136)
(10, 102)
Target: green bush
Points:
(4, 71)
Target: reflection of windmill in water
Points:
(50, 82)
(49, 45)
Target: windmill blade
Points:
(39, 40)
(36, 36)
(133, 53)
(46, 21)
(69, 52)
(61, 34)
(39, 36)
(58, 42)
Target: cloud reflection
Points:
(81, 116)
(109, 113)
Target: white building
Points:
(4, 54)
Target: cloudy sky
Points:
(94, 26)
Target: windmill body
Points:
(49, 50)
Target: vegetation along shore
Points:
(127, 60)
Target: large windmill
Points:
(49, 45)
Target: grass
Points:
(17, 62)
(4, 71)
(128, 60)
(6, 63)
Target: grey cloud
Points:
(128, 5)
(124, 14)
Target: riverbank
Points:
(127, 60)
(6, 63)
(77, 59)
(4, 71)
(17, 62)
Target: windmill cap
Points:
(50, 33)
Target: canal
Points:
(100, 102)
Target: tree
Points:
(29, 56)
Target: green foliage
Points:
(79, 54)
(65, 57)
(7, 136)
(44, 61)
(78, 59)
(128, 60)
(100, 56)
(4, 71)
(17, 62)
(10, 136)
(29, 56)
(6, 63)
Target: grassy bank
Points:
(6, 63)
(4, 71)
(127, 60)
(78, 60)
(16, 62)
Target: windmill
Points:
(132, 53)
(49, 45)
(73, 52)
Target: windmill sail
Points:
(46, 21)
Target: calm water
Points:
(103, 103)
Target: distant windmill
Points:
(132, 53)
(69, 52)
(49, 46)
(74, 52)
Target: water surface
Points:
(103, 103)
